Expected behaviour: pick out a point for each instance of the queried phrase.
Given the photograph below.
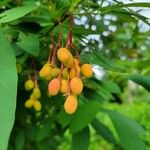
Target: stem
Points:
(62, 68)
(54, 55)
(35, 74)
(76, 51)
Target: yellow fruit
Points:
(19, 68)
(37, 105)
(63, 54)
(65, 73)
(29, 103)
(36, 93)
(54, 86)
(29, 85)
(86, 70)
(76, 61)
(65, 57)
(70, 104)
(46, 70)
(55, 72)
(49, 77)
(76, 85)
(64, 86)
(74, 72)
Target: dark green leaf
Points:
(103, 131)
(29, 43)
(128, 131)
(84, 116)
(141, 80)
(81, 139)
(19, 141)
(8, 90)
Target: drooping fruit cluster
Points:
(67, 78)
(33, 101)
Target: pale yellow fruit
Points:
(46, 70)
(29, 85)
(29, 103)
(37, 105)
(74, 72)
(36, 93)
(65, 73)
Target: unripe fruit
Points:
(74, 72)
(46, 70)
(36, 93)
(49, 77)
(71, 104)
(29, 103)
(29, 85)
(55, 72)
(70, 62)
(76, 85)
(54, 86)
(64, 86)
(37, 105)
(86, 70)
(65, 73)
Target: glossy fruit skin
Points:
(86, 70)
(29, 103)
(65, 57)
(64, 86)
(46, 70)
(71, 104)
(37, 105)
(29, 85)
(74, 72)
(76, 85)
(36, 93)
(54, 86)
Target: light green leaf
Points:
(8, 90)
(81, 139)
(15, 13)
(84, 116)
(128, 131)
(29, 43)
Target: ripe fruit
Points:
(29, 85)
(63, 55)
(76, 61)
(37, 105)
(29, 103)
(65, 73)
(46, 70)
(64, 86)
(86, 70)
(76, 85)
(74, 72)
(36, 93)
(70, 104)
(54, 86)
(55, 72)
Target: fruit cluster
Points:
(35, 95)
(66, 79)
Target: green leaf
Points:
(44, 130)
(19, 141)
(15, 13)
(128, 131)
(81, 139)
(84, 116)
(141, 80)
(8, 90)
(103, 131)
(29, 43)
(63, 118)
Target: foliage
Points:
(109, 37)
